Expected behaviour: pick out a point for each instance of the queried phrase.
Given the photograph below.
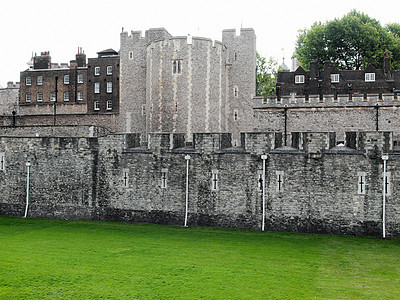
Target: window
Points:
(80, 95)
(109, 104)
(235, 92)
(80, 78)
(214, 180)
(97, 87)
(39, 97)
(369, 77)
(40, 80)
(28, 97)
(334, 78)
(299, 79)
(96, 71)
(66, 79)
(109, 70)
(96, 105)
(125, 177)
(28, 80)
(279, 181)
(53, 96)
(143, 109)
(2, 161)
(130, 54)
(177, 66)
(388, 184)
(109, 87)
(66, 96)
(361, 183)
(293, 97)
(235, 115)
(164, 173)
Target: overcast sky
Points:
(62, 26)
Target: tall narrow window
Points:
(109, 87)
(164, 176)
(388, 184)
(39, 97)
(361, 183)
(97, 71)
(125, 177)
(96, 105)
(40, 80)
(2, 161)
(235, 115)
(109, 104)
(66, 79)
(143, 109)
(80, 78)
(235, 92)
(80, 95)
(279, 181)
(109, 70)
(214, 180)
(53, 96)
(260, 181)
(177, 66)
(28, 80)
(130, 54)
(97, 87)
(28, 97)
(66, 96)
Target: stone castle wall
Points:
(313, 186)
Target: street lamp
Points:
(264, 157)
(187, 158)
(385, 157)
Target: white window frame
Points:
(214, 180)
(279, 181)
(66, 96)
(299, 79)
(39, 97)
(97, 71)
(66, 79)
(109, 105)
(39, 80)
(369, 77)
(2, 161)
(109, 87)
(97, 87)
(28, 80)
(52, 96)
(361, 183)
(80, 78)
(335, 78)
(164, 178)
(80, 96)
(109, 70)
(28, 97)
(96, 105)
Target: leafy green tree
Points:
(266, 76)
(352, 42)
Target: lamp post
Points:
(264, 157)
(187, 158)
(385, 157)
(28, 165)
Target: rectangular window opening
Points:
(214, 180)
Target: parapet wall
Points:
(317, 187)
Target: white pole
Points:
(385, 158)
(187, 157)
(264, 158)
(28, 164)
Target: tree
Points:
(352, 42)
(266, 76)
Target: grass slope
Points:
(55, 259)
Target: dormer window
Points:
(369, 77)
(334, 78)
(299, 79)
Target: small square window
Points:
(80, 95)
(28, 80)
(28, 97)
(334, 78)
(80, 78)
(40, 80)
(66, 96)
(109, 104)
(299, 79)
(96, 105)
(97, 87)
(53, 96)
(39, 97)
(369, 77)
(66, 79)
(96, 71)
(109, 87)
(109, 70)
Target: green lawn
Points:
(82, 259)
